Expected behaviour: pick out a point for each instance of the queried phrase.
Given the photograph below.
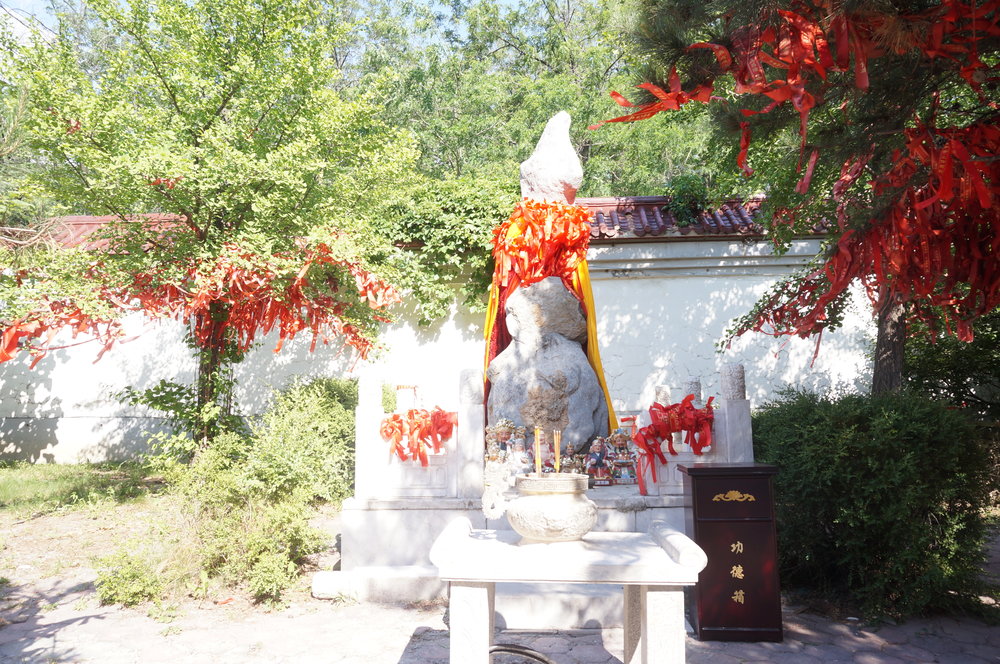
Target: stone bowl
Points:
(552, 507)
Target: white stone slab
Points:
(461, 553)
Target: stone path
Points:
(69, 629)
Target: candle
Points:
(557, 439)
(538, 451)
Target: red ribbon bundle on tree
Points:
(238, 296)
(420, 429)
(935, 246)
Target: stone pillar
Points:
(470, 436)
(370, 451)
(732, 419)
(692, 386)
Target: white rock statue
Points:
(543, 379)
(553, 172)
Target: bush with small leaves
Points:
(127, 578)
(251, 495)
(879, 498)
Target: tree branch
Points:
(517, 48)
(156, 68)
(222, 106)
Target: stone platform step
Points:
(525, 606)
(388, 584)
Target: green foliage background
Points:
(963, 374)
(879, 499)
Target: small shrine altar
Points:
(400, 508)
(653, 568)
(540, 404)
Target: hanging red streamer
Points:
(237, 297)
(935, 248)
(420, 429)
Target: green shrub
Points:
(880, 498)
(306, 439)
(962, 373)
(259, 543)
(270, 574)
(250, 495)
(688, 196)
(128, 579)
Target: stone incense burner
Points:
(551, 507)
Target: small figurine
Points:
(498, 474)
(548, 452)
(597, 463)
(624, 462)
(499, 439)
(572, 462)
(520, 458)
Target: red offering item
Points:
(420, 429)
(696, 423)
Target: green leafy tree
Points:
(966, 375)
(878, 117)
(224, 117)
(476, 82)
(443, 231)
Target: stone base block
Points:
(398, 533)
(412, 583)
(532, 606)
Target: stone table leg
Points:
(470, 614)
(663, 625)
(635, 607)
(654, 625)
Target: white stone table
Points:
(653, 567)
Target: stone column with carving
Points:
(732, 418)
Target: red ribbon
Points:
(695, 423)
(392, 431)
(420, 429)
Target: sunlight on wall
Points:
(661, 309)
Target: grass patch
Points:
(40, 488)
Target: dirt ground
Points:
(49, 613)
(59, 552)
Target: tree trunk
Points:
(887, 374)
(211, 358)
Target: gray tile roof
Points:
(645, 218)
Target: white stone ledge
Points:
(415, 503)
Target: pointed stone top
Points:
(553, 172)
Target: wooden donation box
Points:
(732, 518)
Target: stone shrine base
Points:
(386, 545)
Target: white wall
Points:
(661, 309)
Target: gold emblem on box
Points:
(734, 496)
